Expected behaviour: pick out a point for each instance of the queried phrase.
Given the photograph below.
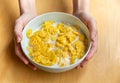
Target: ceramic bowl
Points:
(60, 17)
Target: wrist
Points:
(27, 6)
(81, 6)
(32, 12)
(28, 11)
(81, 12)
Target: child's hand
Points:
(91, 24)
(19, 26)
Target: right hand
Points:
(92, 27)
(19, 26)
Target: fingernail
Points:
(35, 68)
(78, 67)
(26, 62)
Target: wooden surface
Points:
(104, 67)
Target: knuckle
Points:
(15, 31)
(16, 28)
(94, 23)
(17, 21)
(86, 59)
(92, 20)
(16, 52)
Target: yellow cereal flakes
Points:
(62, 44)
(29, 32)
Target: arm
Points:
(27, 6)
(27, 12)
(81, 10)
(81, 6)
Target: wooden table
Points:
(104, 67)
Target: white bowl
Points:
(59, 17)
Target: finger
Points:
(20, 54)
(92, 50)
(93, 28)
(78, 67)
(93, 34)
(83, 63)
(18, 31)
(32, 66)
(90, 54)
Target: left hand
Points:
(19, 26)
(92, 26)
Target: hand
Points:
(91, 24)
(19, 26)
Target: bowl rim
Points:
(50, 67)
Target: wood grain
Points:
(104, 67)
